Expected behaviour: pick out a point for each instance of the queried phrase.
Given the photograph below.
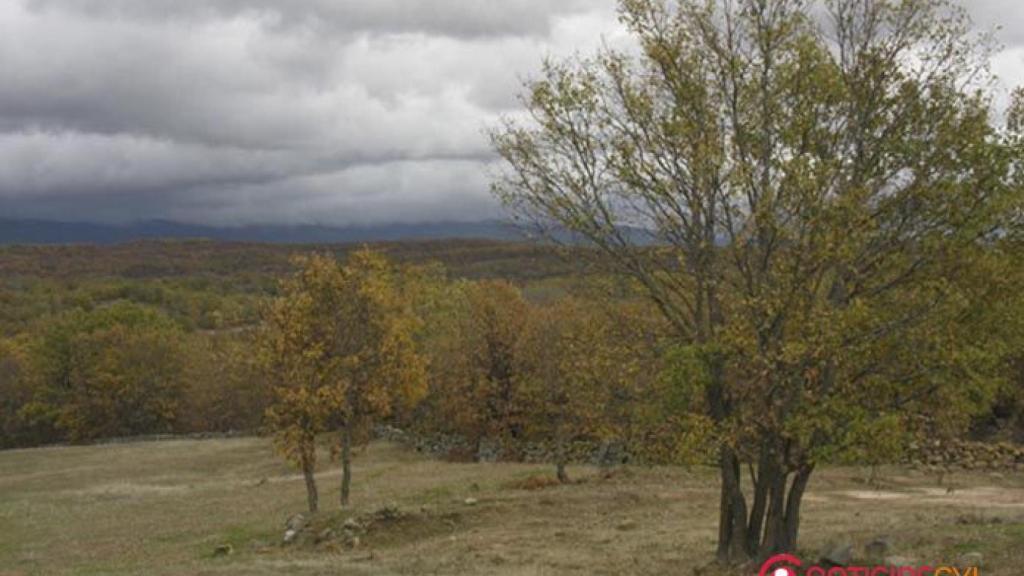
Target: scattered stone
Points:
(387, 513)
(971, 560)
(838, 554)
(471, 501)
(223, 550)
(294, 526)
(296, 522)
(351, 524)
(627, 525)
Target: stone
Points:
(351, 524)
(471, 501)
(971, 560)
(838, 554)
(296, 522)
(223, 550)
(386, 513)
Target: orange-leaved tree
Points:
(475, 363)
(573, 366)
(342, 337)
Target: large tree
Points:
(821, 192)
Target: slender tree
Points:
(342, 339)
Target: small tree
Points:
(572, 365)
(342, 340)
(475, 367)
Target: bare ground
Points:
(162, 508)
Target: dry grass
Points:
(162, 508)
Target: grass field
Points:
(162, 508)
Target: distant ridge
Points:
(53, 232)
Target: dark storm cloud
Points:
(328, 111)
(461, 18)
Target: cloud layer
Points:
(253, 111)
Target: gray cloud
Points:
(240, 111)
(464, 18)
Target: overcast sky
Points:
(274, 111)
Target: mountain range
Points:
(53, 232)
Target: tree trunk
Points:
(560, 460)
(346, 463)
(762, 484)
(732, 512)
(796, 496)
(312, 498)
(782, 525)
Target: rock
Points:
(223, 550)
(293, 526)
(386, 513)
(351, 524)
(840, 554)
(627, 525)
(471, 501)
(878, 549)
(297, 522)
(354, 542)
(971, 560)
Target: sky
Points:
(334, 112)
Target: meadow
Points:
(164, 508)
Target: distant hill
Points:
(51, 232)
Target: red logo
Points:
(780, 565)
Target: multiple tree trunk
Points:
(771, 524)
